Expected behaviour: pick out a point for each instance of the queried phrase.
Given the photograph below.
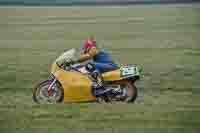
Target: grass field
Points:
(163, 39)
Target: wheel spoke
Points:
(129, 92)
(41, 94)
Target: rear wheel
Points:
(41, 94)
(129, 92)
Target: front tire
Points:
(40, 94)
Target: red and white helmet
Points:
(89, 43)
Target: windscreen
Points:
(66, 56)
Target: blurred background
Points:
(91, 2)
(162, 36)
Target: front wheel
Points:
(41, 95)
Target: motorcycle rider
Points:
(101, 61)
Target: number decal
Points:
(129, 71)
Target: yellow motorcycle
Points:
(73, 83)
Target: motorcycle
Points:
(73, 83)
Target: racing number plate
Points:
(129, 71)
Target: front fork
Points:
(49, 90)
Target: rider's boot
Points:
(97, 80)
(96, 76)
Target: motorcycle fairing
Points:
(77, 87)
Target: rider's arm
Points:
(89, 55)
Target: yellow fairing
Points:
(54, 68)
(77, 87)
(112, 76)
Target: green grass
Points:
(164, 40)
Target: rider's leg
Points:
(104, 67)
(97, 68)
(96, 75)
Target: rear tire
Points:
(131, 90)
(42, 88)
